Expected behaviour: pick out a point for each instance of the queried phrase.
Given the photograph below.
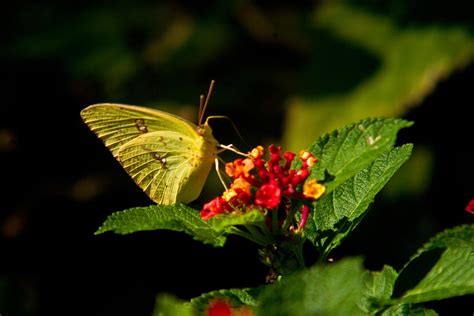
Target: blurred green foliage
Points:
(410, 61)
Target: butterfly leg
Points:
(232, 148)
(216, 163)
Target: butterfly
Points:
(168, 157)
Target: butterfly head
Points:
(205, 130)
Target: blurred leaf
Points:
(333, 289)
(167, 305)
(173, 217)
(414, 176)
(339, 212)
(411, 61)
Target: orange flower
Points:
(239, 168)
(313, 190)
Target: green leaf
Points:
(222, 221)
(177, 217)
(378, 288)
(339, 212)
(408, 310)
(445, 266)
(236, 297)
(457, 237)
(333, 289)
(400, 65)
(167, 305)
(343, 152)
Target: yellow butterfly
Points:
(167, 156)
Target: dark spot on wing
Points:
(140, 123)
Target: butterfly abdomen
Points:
(200, 164)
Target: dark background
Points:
(59, 182)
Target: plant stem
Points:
(275, 222)
(264, 228)
(299, 254)
(257, 234)
(236, 231)
(288, 219)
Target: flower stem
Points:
(257, 234)
(288, 219)
(264, 228)
(275, 221)
(299, 254)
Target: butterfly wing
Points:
(117, 124)
(164, 154)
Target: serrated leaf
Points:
(343, 152)
(378, 288)
(408, 310)
(167, 305)
(177, 217)
(222, 221)
(339, 212)
(445, 266)
(460, 236)
(333, 289)
(236, 297)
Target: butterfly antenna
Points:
(208, 96)
(233, 125)
(201, 104)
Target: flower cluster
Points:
(260, 184)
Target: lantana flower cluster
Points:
(267, 185)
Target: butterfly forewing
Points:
(117, 124)
(164, 154)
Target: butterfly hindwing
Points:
(160, 163)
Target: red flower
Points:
(268, 195)
(470, 207)
(219, 308)
(214, 207)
